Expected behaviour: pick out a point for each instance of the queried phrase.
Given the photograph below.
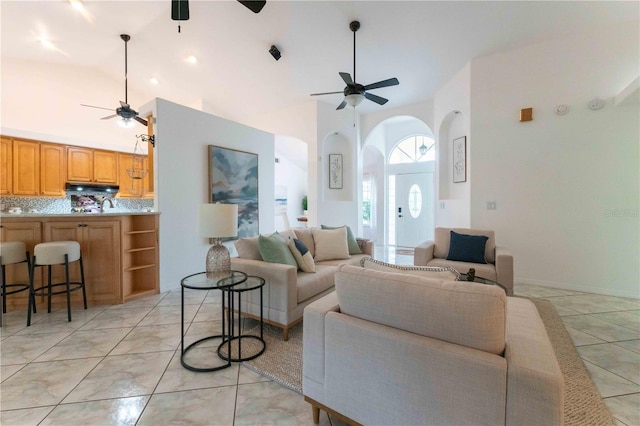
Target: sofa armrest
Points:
(280, 280)
(534, 380)
(504, 268)
(423, 253)
(313, 336)
(365, 245)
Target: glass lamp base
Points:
(218, 261)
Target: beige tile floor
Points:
(120, 365)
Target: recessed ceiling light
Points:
(45, 42)
(76, 4)
(153, 81)
(192, 59)
(79, 6)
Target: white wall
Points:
(42, 101)
(294, 179)
(453, 208)
(559, 180)
(182, 138)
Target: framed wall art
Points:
(233, 179)
(460, 159)
(335, 171)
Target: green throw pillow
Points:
(354, 248)
(274, 250)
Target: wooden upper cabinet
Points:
(79, 164)
(52, 170)
(6, 166)
(105, 166)
(89, 165)
(26, 167)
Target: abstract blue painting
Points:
(233, 179)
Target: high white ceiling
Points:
(422, 43)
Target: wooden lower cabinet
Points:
(30, 233)
(120, 255)
(100, 244)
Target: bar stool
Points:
(57, 253)
(13, 252)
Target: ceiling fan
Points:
(354, 93)
(125, 111)
(180, 8)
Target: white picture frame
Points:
(460, 159)
(335, 171)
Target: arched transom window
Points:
(413, 149)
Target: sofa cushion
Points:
(247, 248)
(306, 237)
(330, 244)
(274, 250)
(467, 248)
(442, 236)
(353, 260)
(354, 248)
(459, 312)
(302, 255)
(310, 285)
(443, 273)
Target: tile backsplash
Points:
(56, 205)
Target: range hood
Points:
(92, 187)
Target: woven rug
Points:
(282, 362)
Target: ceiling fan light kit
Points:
(355, 93)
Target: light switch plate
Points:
(491, 205)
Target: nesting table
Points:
(233, 284)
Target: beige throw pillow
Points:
(331, 244)
(247, 248)
(443, 273)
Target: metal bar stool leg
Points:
(32, 295)
(66, 271)
(49, 291)
(84, 291)
(4, 291)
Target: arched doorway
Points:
(380, 174)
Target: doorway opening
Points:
(411, 191)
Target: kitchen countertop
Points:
(37, 215)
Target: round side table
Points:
(251, 283)
(200, 281)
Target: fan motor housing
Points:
(126, 113)
(356, 89)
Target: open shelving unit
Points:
(140, 256)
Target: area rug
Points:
(282, 363)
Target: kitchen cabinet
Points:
(91, 165)
(52, 170)
(26, 167)
(6, 166)
(99, 240)
(29, 232)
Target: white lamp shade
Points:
(218, 220)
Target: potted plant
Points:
(304, 206)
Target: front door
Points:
(414, 208)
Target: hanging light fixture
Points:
(137, 172)
(354, 99)
(423, 148)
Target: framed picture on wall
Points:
(460, 159)
(233, 179)
(335, 171)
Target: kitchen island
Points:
(119, 250)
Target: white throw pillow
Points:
(302, 255)
(443, 273)
(331, 244)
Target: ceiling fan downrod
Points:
(126, 38)
(355, 26)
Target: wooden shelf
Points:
(138, 267)
(139, 249)
(144, 231)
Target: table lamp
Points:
(218, 221)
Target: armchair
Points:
(499, 266)
(419, 351)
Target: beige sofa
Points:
(499, 266)
(287, 289)
(420, 351)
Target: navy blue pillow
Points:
(300, 246)
(467, 248)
